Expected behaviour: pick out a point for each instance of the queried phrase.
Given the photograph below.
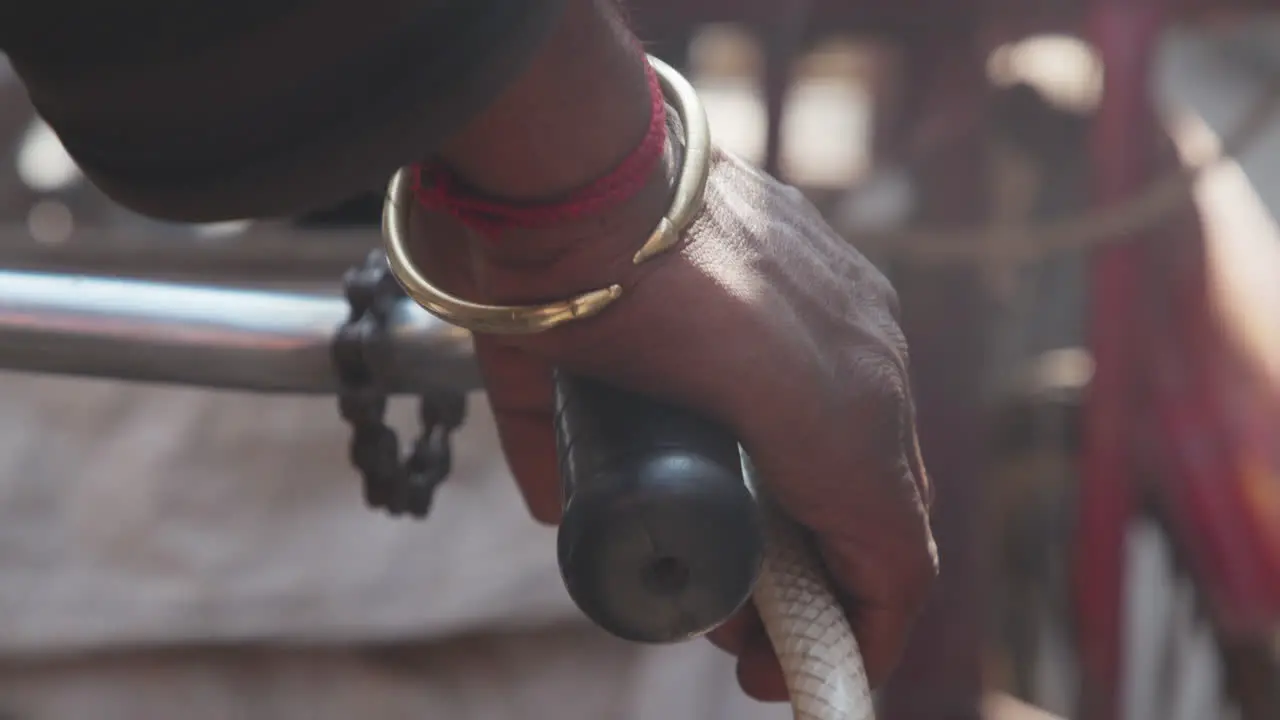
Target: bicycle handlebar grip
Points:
(661, 538)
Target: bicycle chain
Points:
(361, 355)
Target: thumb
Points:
(520, 393)
(518, 384)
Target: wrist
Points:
(577, 111)
(520, 265)
(437, 187)
(573, 159)
(470, 269)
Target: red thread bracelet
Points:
(438, 189)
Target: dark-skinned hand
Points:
(763, 319)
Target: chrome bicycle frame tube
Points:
(204, 336)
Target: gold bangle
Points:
(691, 185)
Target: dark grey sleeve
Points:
(243, 108)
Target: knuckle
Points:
(880, 375)
(887, 294)
(881, 312)
(880, 396)
(874, 290)
(917, 574)
(920, 475)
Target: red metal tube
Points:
(1124, 32)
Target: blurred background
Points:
(1076, 203)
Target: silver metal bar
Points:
(204, 336)
(266, 252)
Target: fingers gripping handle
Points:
(661, 538)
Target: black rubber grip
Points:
(661, 538)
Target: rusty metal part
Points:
(362, 353)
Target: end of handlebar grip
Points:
(661, 538)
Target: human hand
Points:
(764, 320)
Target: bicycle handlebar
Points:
(207, 336)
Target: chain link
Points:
(362, 356)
